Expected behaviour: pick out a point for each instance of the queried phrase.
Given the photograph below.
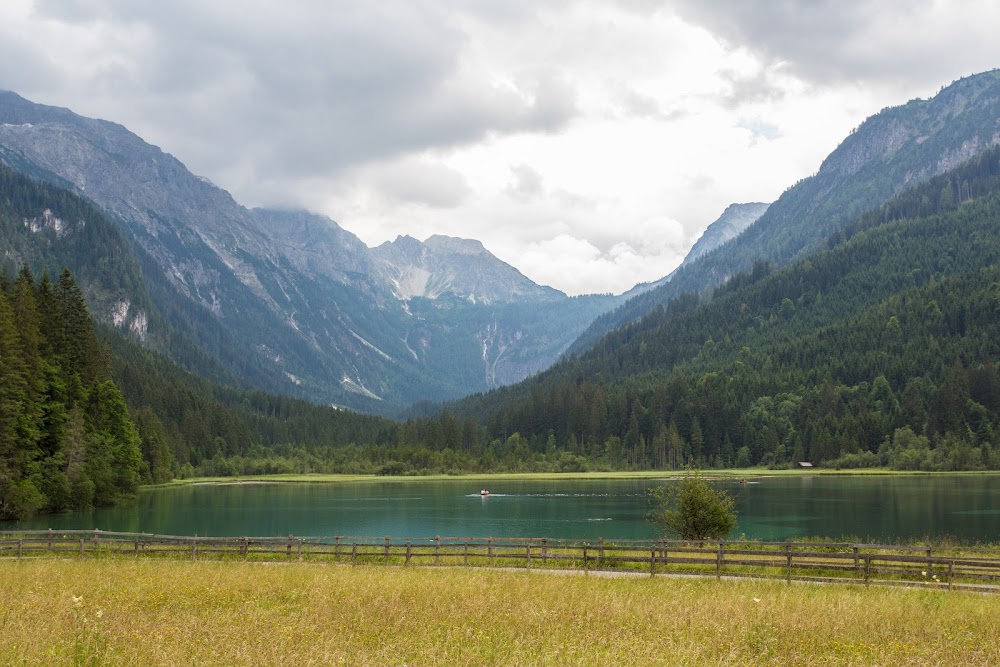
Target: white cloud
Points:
(898, 43)
(588, 144)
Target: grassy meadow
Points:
(141, 612)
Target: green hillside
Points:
(889, 153)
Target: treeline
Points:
(877, 351)
(191, 427)
(186, 422)
(66, 440)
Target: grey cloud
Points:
(884, 41)
(637, 105)
(286, 91)
(417, 182)
(526, 184)
(23, 64)
(755, 88)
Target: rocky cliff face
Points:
(314, 312)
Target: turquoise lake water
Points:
(874, 508)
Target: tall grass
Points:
(124, 611)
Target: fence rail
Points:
(976, 568)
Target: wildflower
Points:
(77, 601)
(924, 572)
(100, 613)
(756, 599)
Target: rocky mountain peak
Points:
(449, 266)
(452, 244)
(732, 222)
(315, 243)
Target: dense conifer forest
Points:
(66, 440)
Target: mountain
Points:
(290, 302)
(460, 267)
(878, 348)
(893, 150)
(732, 222)
(48, 229)
(728, 226)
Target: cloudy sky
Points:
(587, 143)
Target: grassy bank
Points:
(738, 473)
(121, 611)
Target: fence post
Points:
(586, 568)
(96, 540)
(489, 549)
(951, 572)
(20, 548)
(600, 553)
(718, 562)
(930, 563)
(194, 549)
(386, 548)
(857, 565)
(545, 552)
(288, 547)
(81, 547)
(437, 548)
(664, 554)
(409, 552)
(245, 547)
(652, 562)
(466, 550)
(336, 547)
(527, 554)
(788, 554)
(300, 548)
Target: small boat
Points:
(484, 492)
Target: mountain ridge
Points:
(734, 219)
(888, 152)
(311, 308)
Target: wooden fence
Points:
(975, 568)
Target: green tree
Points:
(694, 510)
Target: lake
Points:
(874, 508)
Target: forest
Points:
(66, 439)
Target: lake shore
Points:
(728, 474)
